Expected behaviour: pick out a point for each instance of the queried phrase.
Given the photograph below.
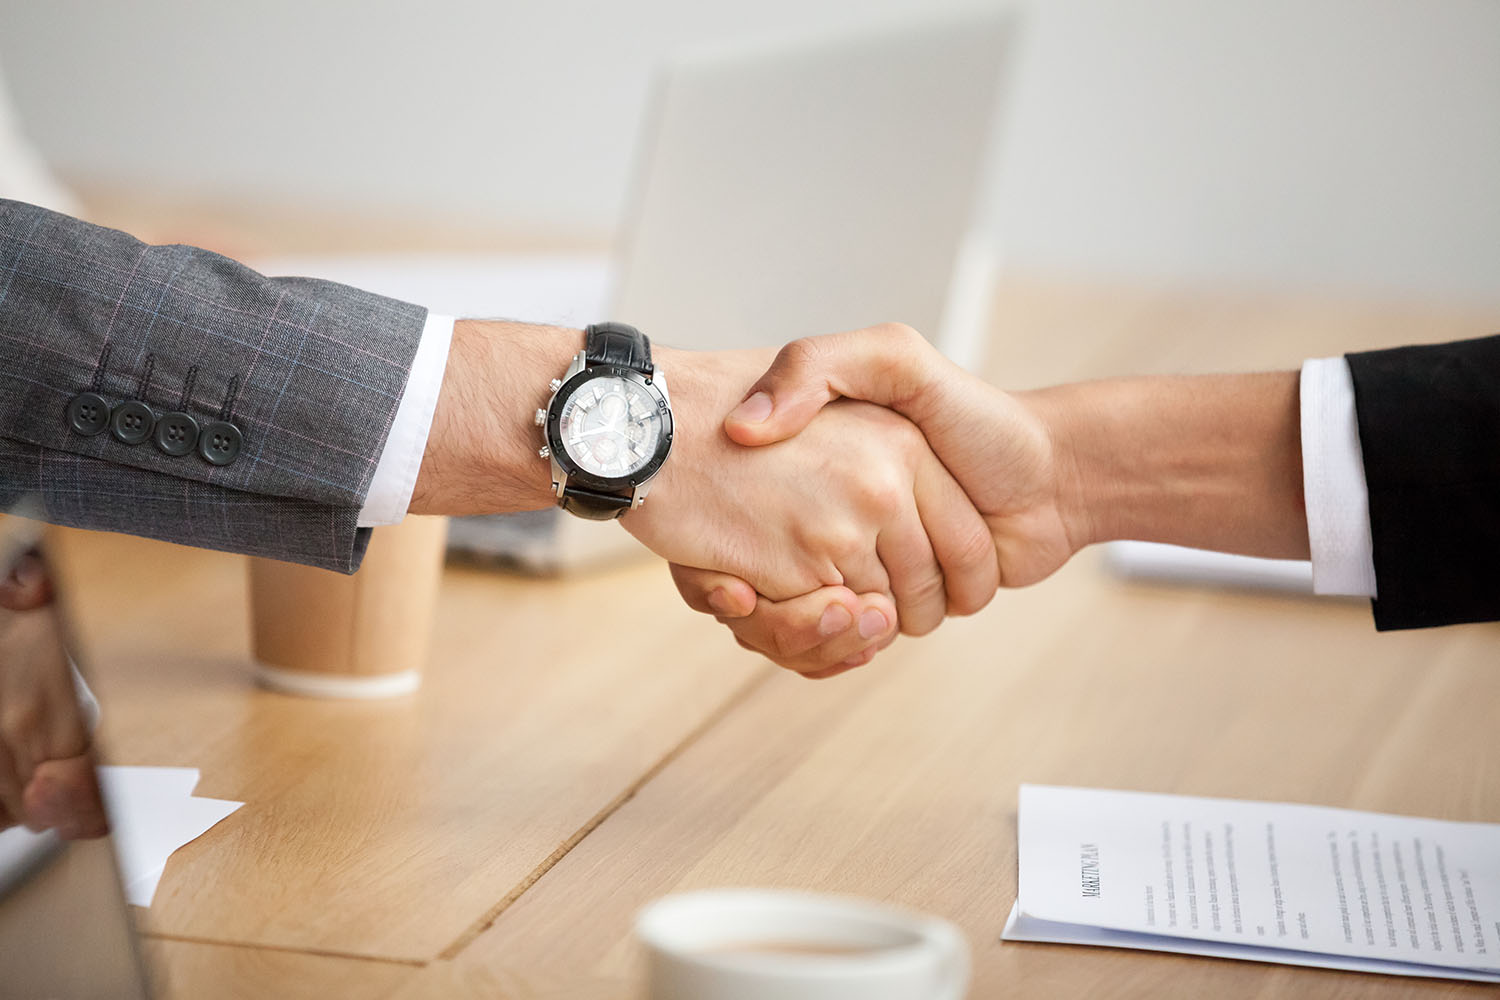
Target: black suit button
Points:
(131, 422)
(176, 433)
(219, 443)
(88, 413)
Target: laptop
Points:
(805, 185)
(65, 930)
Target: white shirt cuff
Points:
(396, 472)
(1333, 482)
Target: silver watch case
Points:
(564, 470)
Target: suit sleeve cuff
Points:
(1333, 482)
(396, 472)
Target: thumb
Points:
(890, 365)
(711, 593)
(786, 398)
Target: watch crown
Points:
(555, 384)
(541, 417)
(545, 452)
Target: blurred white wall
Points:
(1345, 145)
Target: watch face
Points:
(611, 426)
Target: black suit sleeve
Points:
(1429, 430)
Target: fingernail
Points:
(754, 410)
(718, 599)
(835, 619)
(871, 624)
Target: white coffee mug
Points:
(754, 944)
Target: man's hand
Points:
(46, 770)
(1000, 447)
(857, 501)
(1206, 461)
(996, 447)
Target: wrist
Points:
(704, 386)
(482, 451)
(1118, 474)
(1078, 484)
(1207, 461)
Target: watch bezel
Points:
(576, 473)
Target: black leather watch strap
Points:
(593, 506)
(622, 346)
(617, 344)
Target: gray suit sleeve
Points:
(309, 371)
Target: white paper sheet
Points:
(152, 812)
(1275, 882)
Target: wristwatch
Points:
(608, 426)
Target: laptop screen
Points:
(65, 928)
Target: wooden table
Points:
(493, 834)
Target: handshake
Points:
(818, 501)
(856, 486)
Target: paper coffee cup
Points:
(320, 633)
(750, 944)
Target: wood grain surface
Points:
(899, 782)
(390, 828)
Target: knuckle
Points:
(929, 590)
(882, 495)
(903, 352)
(975, 560)
(839, 540)
(926, 606)
(898, 344)
(898, 435)
(976, 550)
(798, 355)
(898, 334)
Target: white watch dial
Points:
(610, 426)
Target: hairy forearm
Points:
(482, 451)
(481, 455)
(1212, 461)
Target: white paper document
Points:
(1270, 882)
(152, 812)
